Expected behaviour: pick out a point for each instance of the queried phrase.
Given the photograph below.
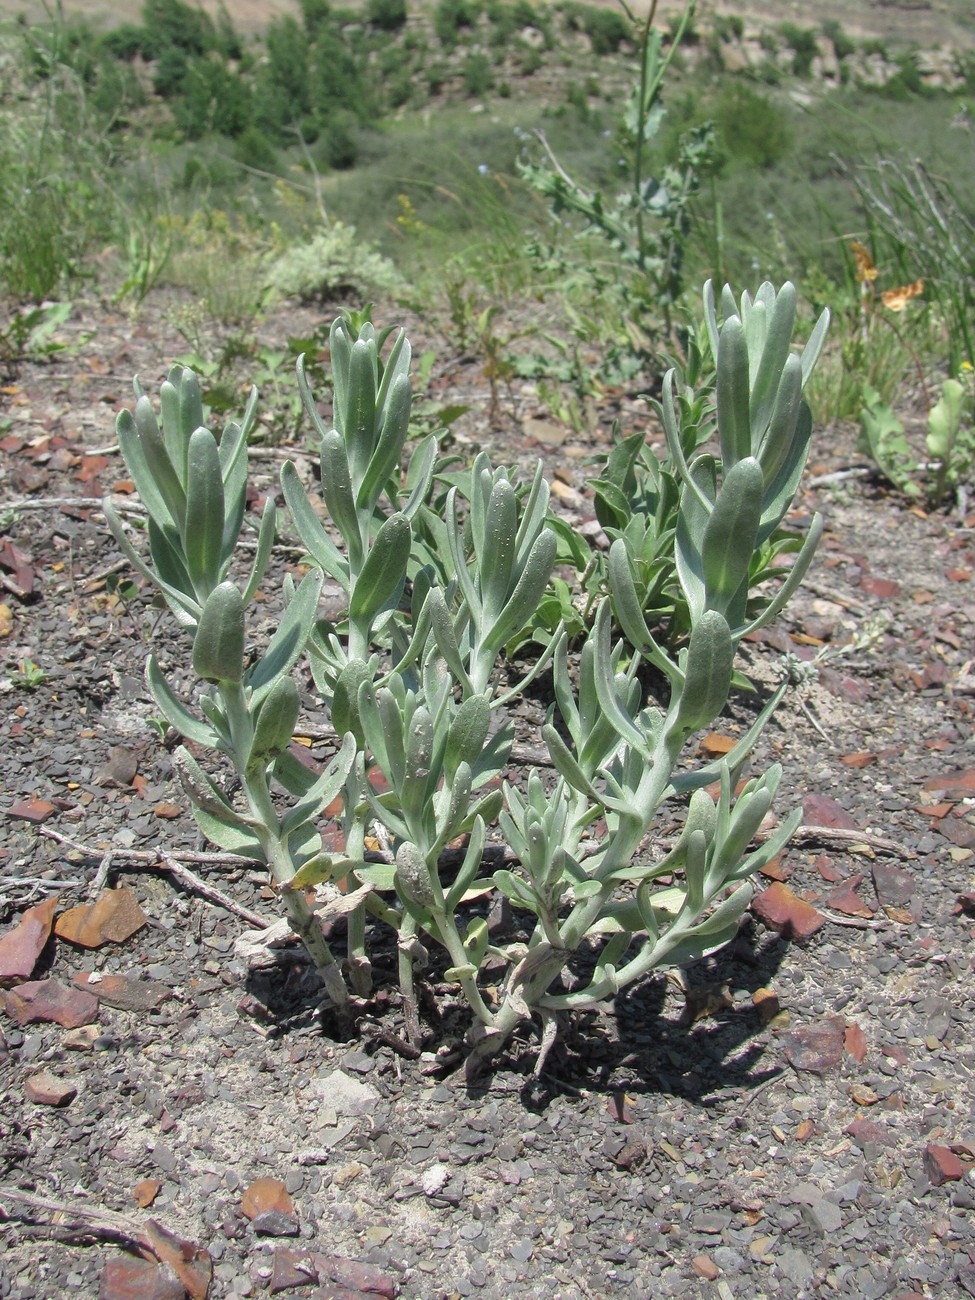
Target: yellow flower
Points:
(897, 299)
(865, 272)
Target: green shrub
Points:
(212, 99)
(449, 17)
(752, 130)
(607, 29)
(476, 75)
(338, 144)
(387, 15)
(169, 72)
(804, 46)
(254, 148)
(843, 45)
(125, 42)
(171, 24)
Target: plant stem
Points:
(276, 853)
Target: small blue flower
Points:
(483, 168)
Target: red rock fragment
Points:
(269, 1207)
(21, 946)
(766, 1003)
(863, 1131)
(31, 810)
(50, 1002)
(114, 917)
(941, 1165)
(818, 1048)
(357, 1277)
(785, 913)
(844, 898)
(776, 868)
(293, 1268)
(146, 1191)
(46, 1089)
(168, 811)
(828, 869)
(191, 1263)
(820, 810)
(961, 783)
(895, 887)
(139, 1279)
(124, 993)
(705, 1267)
(957, 830)
(881, 587)
(855, 1042)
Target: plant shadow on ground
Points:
(709, 1049)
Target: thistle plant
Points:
(409, 671)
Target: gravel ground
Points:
(785, 1119)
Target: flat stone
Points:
(139, 1279)
(50, 1001)
(786, 914)
(46, 1089)
(941, 1165)
(122, 992)
(863, 1131)
(342, 1094)
(795, 1265)
(895, 887)
(818, 1048)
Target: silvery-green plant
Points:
(194, 490)
(720, 509)
(411, 675)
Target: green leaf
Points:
(779, 439)
(345, 700)
(712, 933)
(729, 537)
(605, 683)
(277, 718)
(356, 418)
(316, 797)
(517, 891)
(467, 733)
(564, 762)
(338, 497)
(185, 607)
(381, 579)
(265, 543)
(157, 462)
(385, 461)
(734, 417)
(315, 540)
(218, 647)
(443, 631)
(233, 467)
(231, 837)
(203, 536)
(496, 553)
(780, 322)
(707, 672)
(381, 875)
(174, 711)
(290, 638)
(527, 593)
(944, 420)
